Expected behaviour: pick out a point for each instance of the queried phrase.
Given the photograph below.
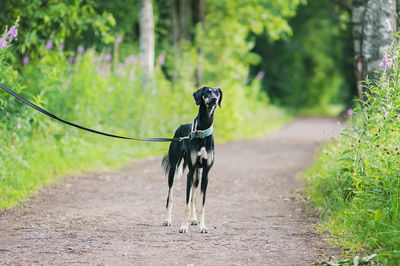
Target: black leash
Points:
(81, 127)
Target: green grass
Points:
(37, 151)
(39, 161)
(332, 110)
(355, 181)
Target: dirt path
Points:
(116, 218)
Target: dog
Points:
(193, 147)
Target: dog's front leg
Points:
(193, 217)
(204, 183)
(185, 224)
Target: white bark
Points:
(374, 22)
(146, 39)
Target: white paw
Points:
(204, 230)
(167, 223)
(183, 229)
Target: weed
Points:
(355, 182)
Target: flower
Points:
(349, 112)
(130, 59)
(96, 59)
(107, 57)
(118, 40)
(385, 62)
(25, 60)
(49, 44)
(71, 60)
(12, 33)
(3, 43)
(8, 37)
(161, 59)
(260, 75)
(385, 112)
(81, 49)
(62, 46)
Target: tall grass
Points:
(355, 182)
(96, 91)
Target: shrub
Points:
(91, 89)
(356, 179)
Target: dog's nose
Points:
(214, 100)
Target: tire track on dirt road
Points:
(116, 217)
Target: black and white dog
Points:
(195, 149)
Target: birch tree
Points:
(199, 18)
(146, 40)
(374, 22)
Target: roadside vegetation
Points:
(355, 182)
(98, 83)
(82, 61)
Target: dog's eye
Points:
(209, 90)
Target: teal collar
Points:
(200, 134)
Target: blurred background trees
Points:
(313, 66)
(116, 65)
(301, 50)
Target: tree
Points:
(71, 23)
(199, 18)
(146, 40)
(315, 66)
(374, 23)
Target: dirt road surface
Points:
(115, 218)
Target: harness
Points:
(200, 134)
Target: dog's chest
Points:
(199, 157)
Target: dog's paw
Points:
(204, 230)
(194, 222)
(183, 230)
(167, 223)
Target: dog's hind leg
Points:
(204, 183)
(168, 215)
(193, 217)
(189, 183)
(175, 171)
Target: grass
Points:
(332, 110)
(355, 181)
(43, 161)
(37, 151)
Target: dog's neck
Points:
(205, 117)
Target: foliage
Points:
(94, 90)
(313, 68)
(253, 15)
(356, 181)
(67, 22)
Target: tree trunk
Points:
(199, 18)
(175, 23)
(374, 22)
(146, 40)
(185, 16)
(398, 15)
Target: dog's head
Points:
(209, 96)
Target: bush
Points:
(356, 180)
(93, 90)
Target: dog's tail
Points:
(166, 164)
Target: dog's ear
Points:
(197, 96)
(220, 97)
